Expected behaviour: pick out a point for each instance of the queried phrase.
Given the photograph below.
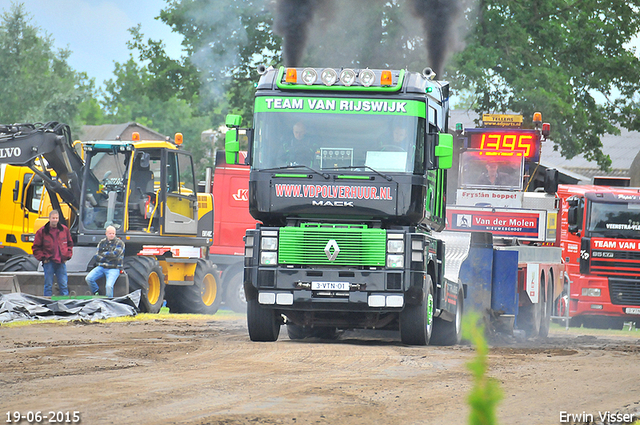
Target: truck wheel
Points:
(416, 321)
(203, 297)
(547, 312)
(234, 294)
(146, 274)
(21, 263)
(449, 333)
(297, 332)
(263, 323)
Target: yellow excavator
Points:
(145, 189)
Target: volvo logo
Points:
(327, 249)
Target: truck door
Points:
(33, 191)
(181, 206)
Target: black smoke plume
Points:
(292, 22)
(438, 18)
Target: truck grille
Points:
(357, 245)
(619, 263)
(624, 291)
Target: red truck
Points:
(230, 190)
(600, 240)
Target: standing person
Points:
(53, 246)
(110, 254)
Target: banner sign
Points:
(412, 108)
(505, 223)
(488, 198)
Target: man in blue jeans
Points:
(53, 246)
(109, 258)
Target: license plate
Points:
(330, 286)
(633, 310)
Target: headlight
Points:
(590, 292)
(269, 244)
(309, 76)
(367, 77)
(268, 258)
(395, 246)
(328, 76)
(348, 77)
(395, 261)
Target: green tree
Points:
(152, 99)
(36, 82)
(559, 57)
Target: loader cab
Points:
(142, 187)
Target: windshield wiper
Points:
(351, 167)
(288, 167)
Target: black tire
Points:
(297, 332)
(203, 297)
(545, 323)
(449, 333)
(263, 323)
(416, 321)
(146, 274)
(235, 298)
(21, 263)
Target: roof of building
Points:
(113, 131)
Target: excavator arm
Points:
(49, 146)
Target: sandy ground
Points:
(195, 371)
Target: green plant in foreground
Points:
(485, 394)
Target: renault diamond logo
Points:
(327, 249)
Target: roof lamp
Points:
(367, 77)
(135, 136)
(178, 139)
(329, 76)
(292, 76)
(348, 77)
(537, 118)
(385, 79)
(546, 129)
(309, 76)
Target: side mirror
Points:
(444, 151)
(574, 214)
(231, 143)
(551, 181)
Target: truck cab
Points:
(600, 240)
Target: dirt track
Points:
(208, 372)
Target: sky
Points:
(96, 30)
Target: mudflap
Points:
(448, 299)
(32, 282)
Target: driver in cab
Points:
(298, 150)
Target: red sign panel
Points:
(500, 142)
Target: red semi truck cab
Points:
(231, 220)
(600, 240)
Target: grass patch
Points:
(561, 329)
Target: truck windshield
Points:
(104, 191)
(614, 220)
(385, 143)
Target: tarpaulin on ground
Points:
(19, 306)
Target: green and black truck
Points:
(348, 179)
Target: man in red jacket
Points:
(54, 247)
